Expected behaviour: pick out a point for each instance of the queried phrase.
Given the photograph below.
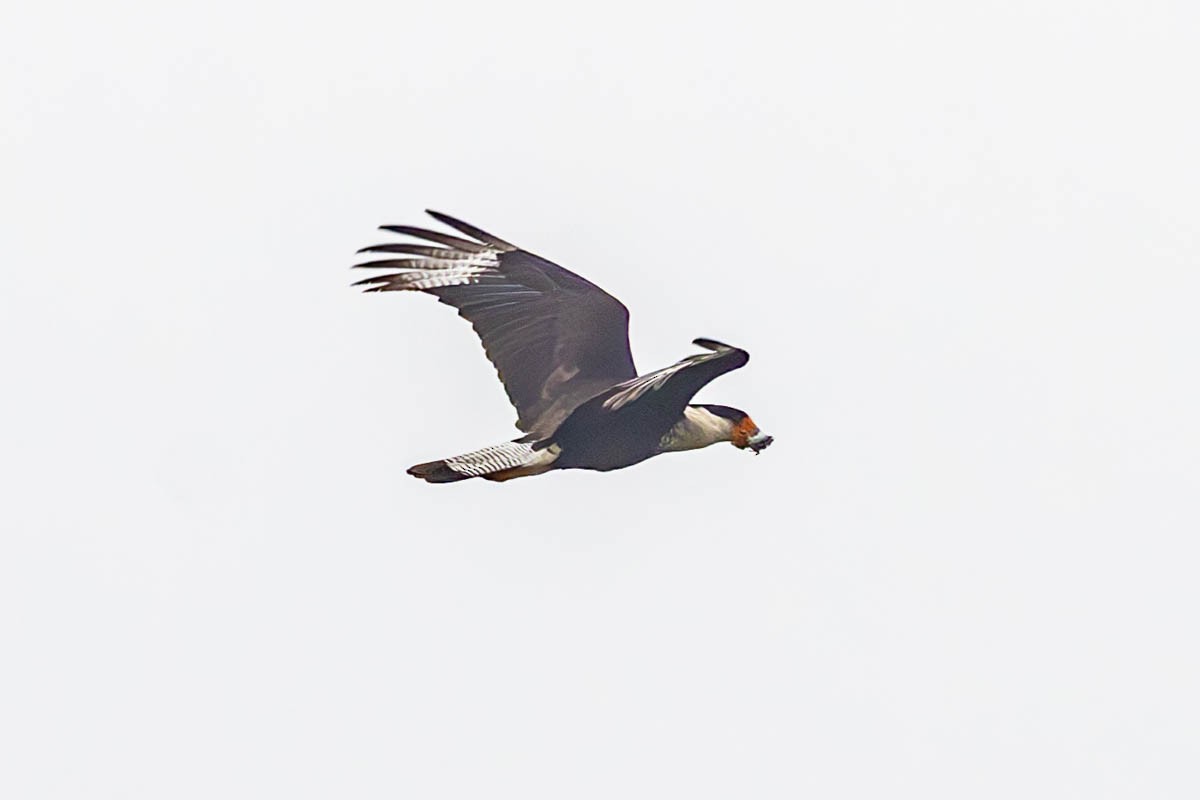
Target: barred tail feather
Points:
(497, 463)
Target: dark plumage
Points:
(561, 347)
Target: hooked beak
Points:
(759, 442)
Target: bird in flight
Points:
(561, 347)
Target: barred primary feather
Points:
(555, 338)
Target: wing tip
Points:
(470, 230)
(726, 350)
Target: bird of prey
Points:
(561, 347)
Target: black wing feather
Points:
(471, 230)
(555, 339)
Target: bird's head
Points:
(743, 433)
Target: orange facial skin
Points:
(742, 433)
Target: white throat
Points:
(698, 428)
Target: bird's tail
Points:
(499, 462)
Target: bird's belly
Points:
(602, 459)
(607, 448)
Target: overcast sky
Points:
(958, 239)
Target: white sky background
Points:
(960, 241)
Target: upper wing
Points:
(555, 339)
(672, 387)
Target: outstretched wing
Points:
(555, 339)
(672, 387)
